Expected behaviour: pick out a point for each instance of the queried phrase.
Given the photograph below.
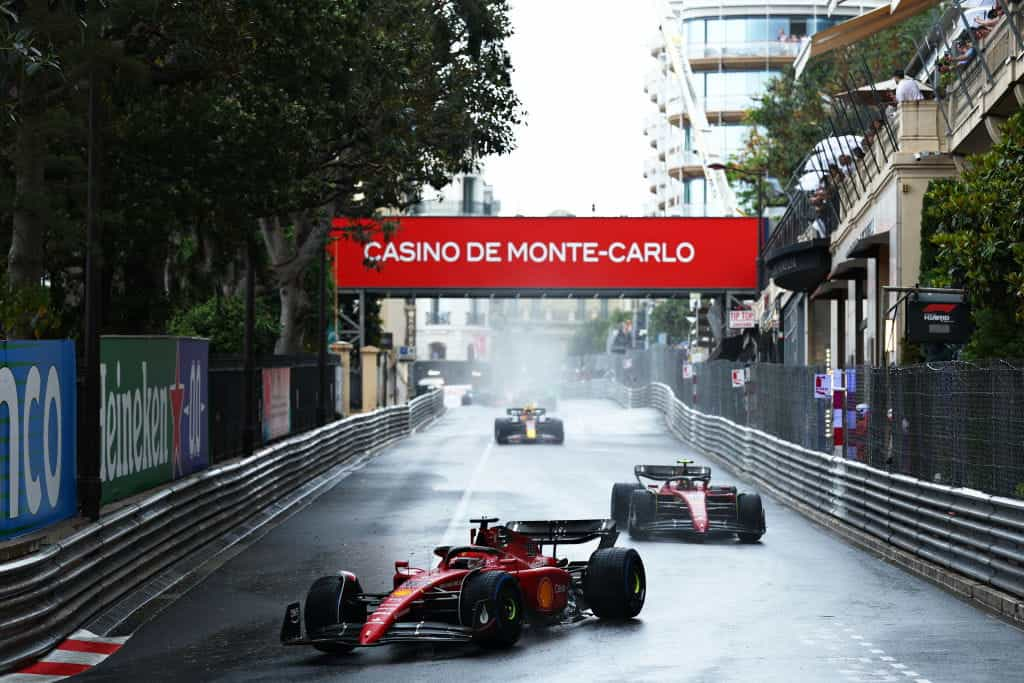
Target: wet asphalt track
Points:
(800, 606)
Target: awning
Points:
(868, 247)
(850, 269)
(872, 94)
(830, 289)
(854, 30)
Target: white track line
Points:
(457, 525)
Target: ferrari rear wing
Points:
(669, 472)
(569, 531)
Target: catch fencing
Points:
(46, 596)
(954, 423)
(227, 409)
(974, 534)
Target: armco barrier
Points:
(45, 596)
(971, 533)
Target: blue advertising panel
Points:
(193, 453)
(37, 435)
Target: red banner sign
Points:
(489, 253)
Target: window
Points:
(438, 351)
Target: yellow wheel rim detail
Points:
(511, 609)
(636, 583)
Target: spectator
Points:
(782, 35)
(967, 53)
(907, 89)
(990, 20)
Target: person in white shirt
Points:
(907, 89)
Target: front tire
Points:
(615, 585)
(750, 513)
(492, 605)
(331, 600)
(621, 494)
(500, 436)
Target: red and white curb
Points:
(80, 652)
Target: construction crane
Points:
(694, 110)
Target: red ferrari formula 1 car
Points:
(682, 500)
(483, 592)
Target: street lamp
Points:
(760, 174)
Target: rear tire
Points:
(501, 613)
(750, 513)
(330, 601)
(615, 584)
(641, 513)
(558, 430)
(621, 494)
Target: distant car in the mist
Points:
(529, 424)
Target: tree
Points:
(386, 97)
(55, 53)
(670, 317)
(222, 321)
(590, 337)
(979, 231)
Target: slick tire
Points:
(492, 605)
(621, 494)
(558, 431)
(641, 512)
(615, 584)
(500, 435)
(330, 601)
(750, 512)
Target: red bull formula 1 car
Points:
(528, 425)
(483, 592)
(682, 500)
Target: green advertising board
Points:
(153, 417)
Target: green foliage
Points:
(28, 309)
(222, 321)
(670, 317)
(220, 120)
(591, 337)
(619, 316)
(977, 224)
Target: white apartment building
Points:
(733, 48)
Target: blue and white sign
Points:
(37, 435)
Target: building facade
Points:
(733, 48)
(846, 271)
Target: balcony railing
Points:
(764, 48)
(453, 207)
(438, 318)
(476, 319)
(962, 87)
(716, 103)
(680, 158)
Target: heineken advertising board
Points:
(37, 435)
(153, 418)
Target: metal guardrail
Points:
(969, 532)
(45, 596)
